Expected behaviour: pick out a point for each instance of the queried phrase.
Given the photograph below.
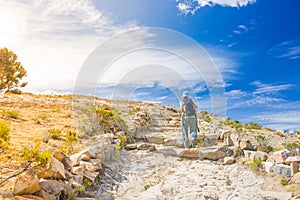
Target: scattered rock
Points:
(189, 153)
(130, 147)
(281, 156)
(296, 178)
(55, 170)
(269, 166)
(27, 184)
(52, 187)
(215, 153)
(291, 159)
(45, 195)
(145, 146)
(155, 139)
(282, 170)
(78, 170)
(33, 197)
(228, 160)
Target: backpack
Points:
(189, 109)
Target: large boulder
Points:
(215, 153)
(27, 184)
(282, 170)
(52, 187)
(281, 156)
(189, 153)
(54, 170)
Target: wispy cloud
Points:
(240, 29)
(286, 50)
(269, 88)
(264, 105)
(236, 94)
(191, 6)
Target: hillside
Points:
(47, 122)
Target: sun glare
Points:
(12, 25)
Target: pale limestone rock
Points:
(294, 168)
(78, 178)
(92, 176)
(27, 184)
(281, 156)
(296, 178)
(269, 166)
(84, 157)
(262, 155)
(155, 139)
(215, 153)
(90, 166)
(189, 153)
(130, 147)
(78, 170)
(52, 186)
(283, 170)
(75, 159)
(291, 159)
(145, 146)
(228, 160)
(54, 170)
(245, 144)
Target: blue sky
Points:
(255, 44)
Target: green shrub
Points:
(4, 135)
(263, 144)
(293, 147)
(284, 182)
(256, 163)
(253, 125)
(34, 155)
(55, 133)
(14, 114)
(134, 110)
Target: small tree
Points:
(11, 71)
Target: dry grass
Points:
(30, 117)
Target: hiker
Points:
(189, 120)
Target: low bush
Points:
(4, 135)
(35, 156)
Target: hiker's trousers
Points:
(189, 126)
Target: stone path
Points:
(154, 176)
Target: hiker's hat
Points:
(185, 94)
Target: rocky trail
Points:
(136, 154)
(151, 175)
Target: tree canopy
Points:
(11, 71)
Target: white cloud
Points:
(286, 50)
(237, 32)
(236, 94)
(53, 38)
(243, 27)
(191, 6)
(268, 88)
(231, 44)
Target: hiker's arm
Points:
(181, 107)
(195, 105)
